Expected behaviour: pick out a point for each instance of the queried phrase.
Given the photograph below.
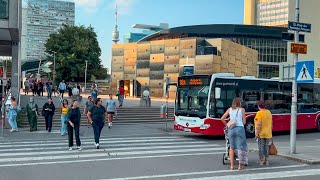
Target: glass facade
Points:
(272, 12)
(4, 9)
(45, 17)
(270, 51)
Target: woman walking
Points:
(111, 110)
(263, 131)
(49, 109)
(32, 113)
(12, 115)
(97, 116)
(237, 136)
(64, 117)
(74, 124)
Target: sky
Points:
(100, 15)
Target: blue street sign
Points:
(297, 26)
(305, 71)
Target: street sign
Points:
(290, 37)
(297, 48)
(297, 26)
(305, 71)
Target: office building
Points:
(279, 12)
(45, 17)
(146, 30)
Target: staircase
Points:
(125, 116)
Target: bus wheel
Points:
(249, 127)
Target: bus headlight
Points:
(204, 126)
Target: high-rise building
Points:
(279, 12)
(43, 18)
(266, 12)
(146, 30)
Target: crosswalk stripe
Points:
(106, 154)
(91, 145)
(268, 175)
(105, 150)
(91, 141)
(59, 140)
(106, 159)
(207, 173)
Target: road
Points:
(138, 151)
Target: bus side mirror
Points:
(217, 92)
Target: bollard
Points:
(164, 113)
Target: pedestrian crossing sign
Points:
(305, 71)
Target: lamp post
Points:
(85, 76)
(54, 67)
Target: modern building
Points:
(10, 36)
(279, 12)
(266, 12)
(208, 48)
(43, 18)
(146, 30)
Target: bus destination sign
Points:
(194, 81)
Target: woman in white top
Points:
(237, 135)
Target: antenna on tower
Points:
(115, 32)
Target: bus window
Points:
(250, 98)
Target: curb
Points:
(299, 159)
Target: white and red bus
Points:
(201, 100)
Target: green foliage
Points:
(102, 73)
(74, 45)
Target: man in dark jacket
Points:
(48, 112)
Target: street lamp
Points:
(85, 76)
(54, 67)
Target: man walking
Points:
(89, 105)
(97, 116)
(111, 109)
(62, 88)
(121, 96)
(26, 87)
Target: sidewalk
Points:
(308, 147)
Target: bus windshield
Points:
(192, 101)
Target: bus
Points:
(201, 100)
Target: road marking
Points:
(109, 159)
(86, 139)
(91, 141)
(104, 154)
(66, 151)
(108, 146)
(207, 172)
(268, 175)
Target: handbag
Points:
(232, 123)
(272, 149)
(118, 93)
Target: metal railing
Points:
(4, 9)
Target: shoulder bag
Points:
(232, 123)
(272, 149)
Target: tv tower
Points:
(115, 32)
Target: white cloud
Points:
(124, 6)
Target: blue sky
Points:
(100, 15)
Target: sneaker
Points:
(79, 148)
(16, 130)
(267, 163)
(111, 124)
(97, 145)
(70, 148)
(11, 130)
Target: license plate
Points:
(187, 130)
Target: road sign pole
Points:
(293, 127)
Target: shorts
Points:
(110, 112)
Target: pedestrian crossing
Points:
(55, 151)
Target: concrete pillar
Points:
(131, 88)
(15, 79)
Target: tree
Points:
(73, 46)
